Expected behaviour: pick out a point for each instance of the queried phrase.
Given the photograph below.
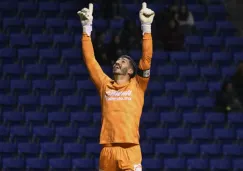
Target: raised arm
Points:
(146, 17)
(96, 73)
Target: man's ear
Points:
(130, 71)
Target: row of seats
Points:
(31, 54)
(52, 8)
(169, 70)
(94, 101)
(58, 25)
(43, 133)
(152, 164)
(75, 149)
(233, 118)
(68, 41)
(73, 86)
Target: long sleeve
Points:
(96, 73)
(145, 62)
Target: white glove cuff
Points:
(146, 28)
(87, 29)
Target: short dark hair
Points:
(132, 63)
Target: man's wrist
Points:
(87, 29)
(146, 28)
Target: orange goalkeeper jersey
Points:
(121, 104)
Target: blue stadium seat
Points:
(34, 25)
(206, 28)
(35, 71)
(152, 163)
(19, 41)
(71, 56)
(185, 103)
(197, 164)
(72, 103)
(170, 118)
(167, 71)
(58, 118)
(28, 102)
(35, 118)
(211, 149)
(223, 164)
(165, 149)
(196, 88)
(149, 118)
(188, 149)
(147, 148)
(224, 134)
(51, 149)
(60, 163)
(179, 57)
(12, 163)
(55, 25)
(213, 43)
(42, 40)
(189, 72)
(56, 71)
(223, 58)
(237, 164)
(83, 164)
(194, 43)
(201, 58)
(66, 134)
(12, 71)
(50, 103)
(93, 149)
(215, 119)
(13, 118)
(63, 41)
(225, 28)
(28, 55)
(217, 12)
(36, 163)
(174, 87)
(234, 44)
(232, 150)
(162, 102)
(175, 163)
(8, 149)
(65, 87)
(156, 133)
(193, 119)
(73, 149)
(8, 55)
(201, 134)
(8, 9)
(28, 9)
(12, 25)
(20, 133)
(28, 149)
(42, 87)
(43, 134)
(49, 9)
(20, 87)
(49, 55)
(4, 86)
(4, 133)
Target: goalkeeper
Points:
(122, 97)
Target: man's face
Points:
(122, 67)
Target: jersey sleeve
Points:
(143, 73)
(96, 73)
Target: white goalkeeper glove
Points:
(86, 18)
(146, 16)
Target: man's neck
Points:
(121, 79)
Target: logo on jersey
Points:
(113, 95)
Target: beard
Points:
(120, 71)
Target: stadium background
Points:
(50, 115)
